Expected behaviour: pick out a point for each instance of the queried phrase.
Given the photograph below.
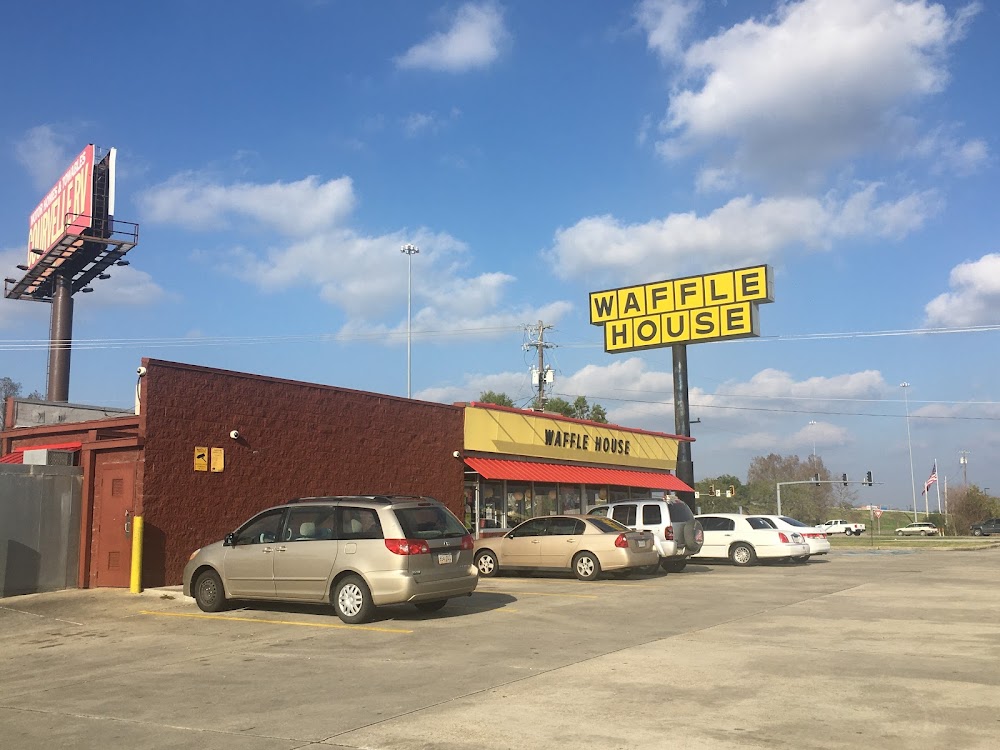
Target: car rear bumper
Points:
(618, 559)
(399, 586)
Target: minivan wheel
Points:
(486, 563)
(209, 593)
(586, 567)
(353, 601)
(430, 606)
(742, 554)
(674, 566)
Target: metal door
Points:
(114, 508)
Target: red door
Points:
(114, 506)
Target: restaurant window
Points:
(619, 494)
(594, 495)
(519, 502)
(546, 500)
(491, 510)
(569, 498)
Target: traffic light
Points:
(868, 479)
(711, 490)
(816, 479)
(845, 480)
(732, 491)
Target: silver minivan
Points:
(677, 534)
(355, 552)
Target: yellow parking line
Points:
(277, 622)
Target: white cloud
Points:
(45, 153)
(951, 154)
(817, 82)
(473, 40)
(294, 208)
(338, 262)
(743, 231)
(665, 22)
(418, 123)
(975, 295)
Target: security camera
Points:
(140, 371)
(234, 434)
(456, 454)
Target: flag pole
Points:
(938, 486)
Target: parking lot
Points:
(885, 649)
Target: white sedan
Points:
(815, 538)
(745, 539)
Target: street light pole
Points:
(909, 445)
(812, 423)
(409, 250)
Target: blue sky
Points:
(276, 158)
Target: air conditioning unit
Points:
(47, 457)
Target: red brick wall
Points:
(296, 439)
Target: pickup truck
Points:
(840, 526)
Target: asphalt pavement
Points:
(860, 648)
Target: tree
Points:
(579, 409)
(10, 389)
(806, 502)
(491, 397)
(969, 505)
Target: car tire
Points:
(801, 560)
(742, 555)
(923, 533)
(899, 533)
(209, 593)
(691, 537)
(353, 601)
(586, 566)
(848, 532)
(650, 570)
(977, 532)
(433, 606)
(674, 566)
(486, 563)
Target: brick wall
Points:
(296, 439)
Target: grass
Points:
(889, 540)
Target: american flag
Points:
(930, 480)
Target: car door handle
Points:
(280, 549)
(267, 550)
(536, 541)
(571, 540)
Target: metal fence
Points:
(39, 528)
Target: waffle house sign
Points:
(712, 307)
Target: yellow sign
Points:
(218, 459)
(525, 434)
(691, 310)
(201, 458)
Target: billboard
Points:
(66, 209)
(711, 307)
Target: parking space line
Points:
(545, 593)
(337, 626)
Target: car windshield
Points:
(429, 522)
(607, 525)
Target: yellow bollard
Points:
(136, 580)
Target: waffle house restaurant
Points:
(520, 464)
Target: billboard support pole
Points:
(60, 339)
(682, 422)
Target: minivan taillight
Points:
(668, 533)
(467, 542)
(407, 546)
(621, 541)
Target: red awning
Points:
(530, 471)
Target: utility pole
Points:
(541, 376)
(964, 460)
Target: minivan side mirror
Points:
(230, 540)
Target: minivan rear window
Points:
(429, 522)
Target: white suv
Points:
(677, 534)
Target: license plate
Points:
(642, 542)
(444, 558)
